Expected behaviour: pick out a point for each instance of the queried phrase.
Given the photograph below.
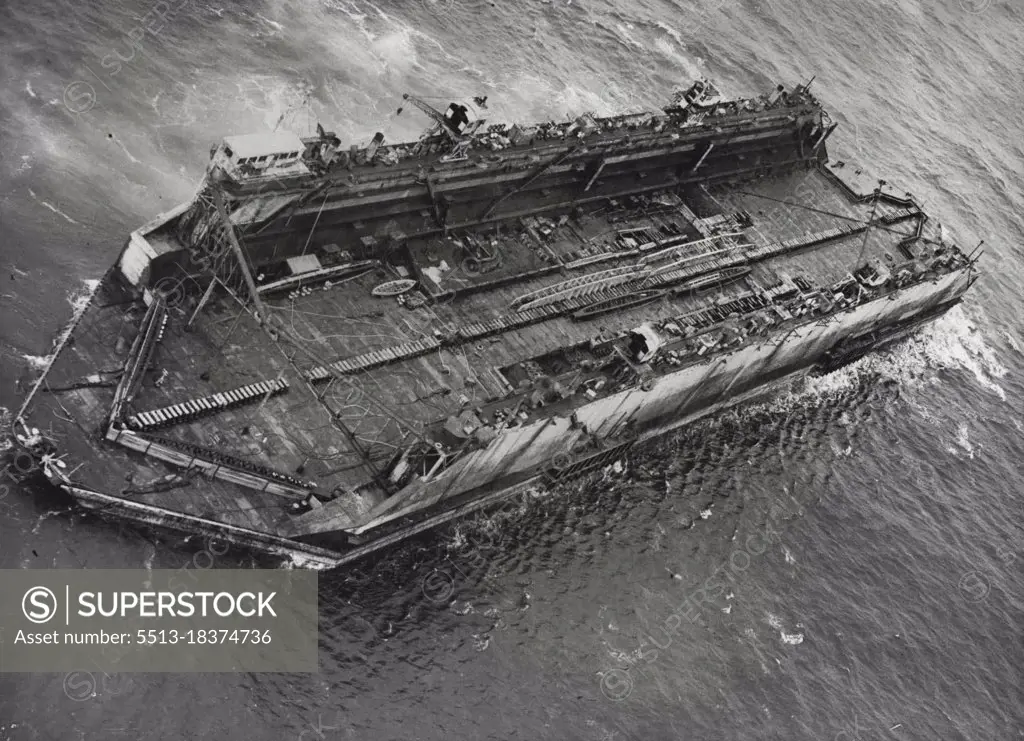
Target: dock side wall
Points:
(674, 399)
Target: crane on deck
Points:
(450, 124)
(439, 118)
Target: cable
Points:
(822, 211)
(867, 232)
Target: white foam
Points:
(50, 206)
(963, 441)
(274, 24)
(396, 50)
(953, 341)
(793, 639)
(124, 149)
(692, 67)
(80, 298)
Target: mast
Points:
(243, 263)
(871, 221)
(276, 329)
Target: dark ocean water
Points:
(853, 546)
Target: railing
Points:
(151, 327)
(212, 463)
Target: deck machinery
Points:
(327, 349)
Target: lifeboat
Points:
(394, 288)
(615, 304)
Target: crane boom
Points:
(434, 114)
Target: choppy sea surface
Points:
(853, 544)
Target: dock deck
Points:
(192, 402)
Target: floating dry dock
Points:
(330, 349)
